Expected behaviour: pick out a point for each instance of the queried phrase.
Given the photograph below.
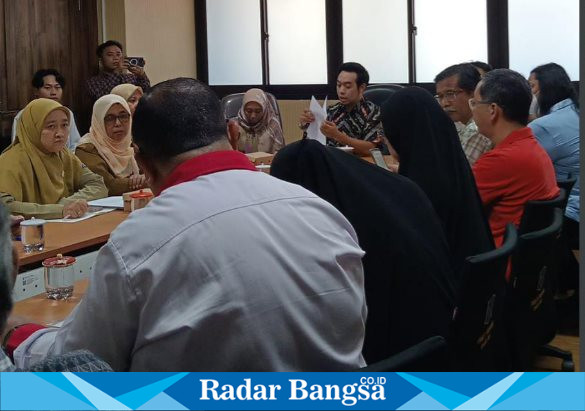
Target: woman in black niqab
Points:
(409, 282)
(430, 154)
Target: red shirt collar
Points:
(207, 163)
(516, 135)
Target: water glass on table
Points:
(32, 234)
(59, 277)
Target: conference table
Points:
(80, 239)
(40, 310)
(72, 238)
(77, 239)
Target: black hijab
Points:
(431, 155)
(408, 278)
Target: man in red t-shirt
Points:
(518, 169)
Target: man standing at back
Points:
(354, 121)
(227, 269)
(518, 169)
(455, 86)
(115, 70)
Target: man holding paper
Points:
(353, 121)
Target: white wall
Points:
(163, 32)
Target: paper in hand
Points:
(320, 113)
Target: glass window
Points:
(297, 46)
(448, 32)
(234, 44)
(543, 31)
(375, 34)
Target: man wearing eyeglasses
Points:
(518, 169)
(455, 87)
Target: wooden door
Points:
(60, 34)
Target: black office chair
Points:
(477, 335)
(538, 214)
(232, 103)
(379, 93)
(428, 355)
(530, 309)
(568, 267)
(567, 184)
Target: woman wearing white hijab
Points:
(259, 127)
(107, 148)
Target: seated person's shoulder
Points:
(14, 154)
(86, 148)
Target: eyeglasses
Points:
(449, 95)
(110, 119)
(473, 103)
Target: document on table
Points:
(108, 202)
(320, 113)
(91, 212)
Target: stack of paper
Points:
(320, 113)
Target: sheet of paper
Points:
(320, 113)
(108, 202)
(92, 212)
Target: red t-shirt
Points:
(516, 171)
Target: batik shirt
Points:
(103, 83)
(362, 122)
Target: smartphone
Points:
(378, 158)
(136, 61)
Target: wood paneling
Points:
(60, 34)
(3, 89)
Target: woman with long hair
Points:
(557, 130)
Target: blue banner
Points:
(292, 391)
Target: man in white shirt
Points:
(227, 269)
(49, 83)
(455, 86)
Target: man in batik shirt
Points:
(115, 70)
(354, 121)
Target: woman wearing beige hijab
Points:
(107, 149)
(39, 177)
(129, 92)
(259, 126)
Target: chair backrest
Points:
(531, 314)
(539, 214)
(379, 93)
(232, 103)
(567, 184)
(477, 331)
(428, 355)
